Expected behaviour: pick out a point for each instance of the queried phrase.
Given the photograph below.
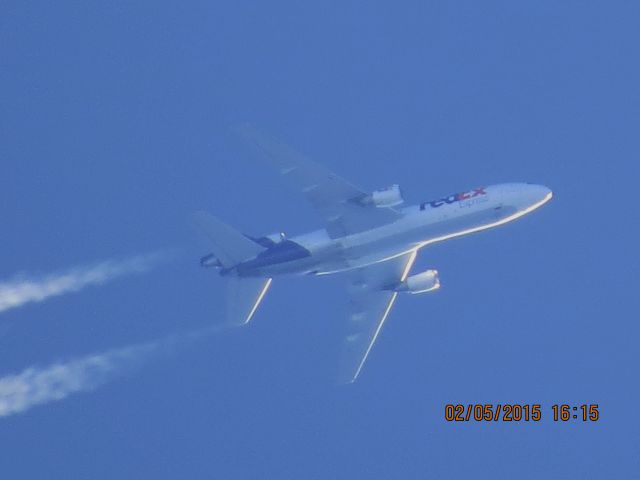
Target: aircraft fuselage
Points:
(429, 222)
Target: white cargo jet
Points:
(368, 236)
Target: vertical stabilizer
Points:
(230, 248)
(229, 245)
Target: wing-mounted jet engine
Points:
(386, 197)
(424, 282)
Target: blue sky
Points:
(114, 126)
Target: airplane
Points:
(370, 237)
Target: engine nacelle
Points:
(270, 240)
(424, 282)
(210, 261)
(388, 197)
(276, 237)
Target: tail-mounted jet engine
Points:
(276, 237)
(387, 197)
(210, 261)
(267, 241)
(424, 282)
(271, 239)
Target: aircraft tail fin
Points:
(244, 297)
(229, 246)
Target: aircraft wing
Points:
(370, 305)
(332, 196)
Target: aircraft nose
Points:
(540, 193)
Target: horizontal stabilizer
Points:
(244, 297)
(229, 245)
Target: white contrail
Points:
(21, 290)
(39, 385)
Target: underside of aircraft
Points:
(366, 236)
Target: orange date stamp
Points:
(519, 412)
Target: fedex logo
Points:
(456, 197)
